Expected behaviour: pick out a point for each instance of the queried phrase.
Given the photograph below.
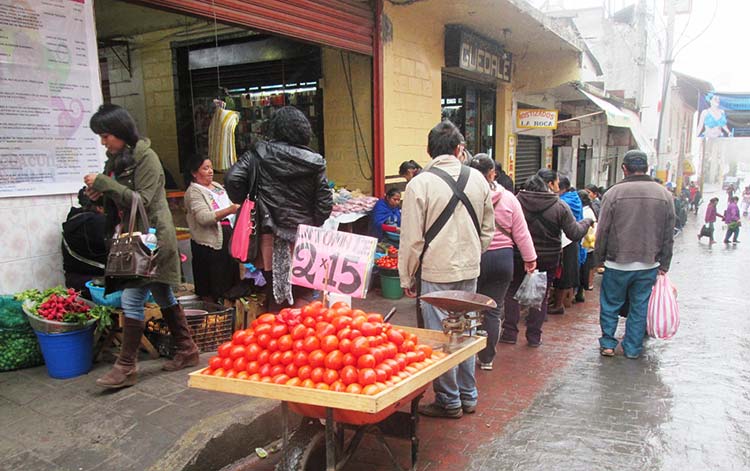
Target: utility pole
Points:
(642, 34)
(668, 60)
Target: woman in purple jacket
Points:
(708, 229)
(732, 220)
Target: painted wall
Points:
(348, 154)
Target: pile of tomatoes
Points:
(389, 261)
(338, 349)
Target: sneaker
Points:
(484, 366)
(468, 409)
(436, 410)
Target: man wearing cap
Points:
(634, 240)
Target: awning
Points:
(624, 119)
(615, 116)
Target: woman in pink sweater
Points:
(497, 262)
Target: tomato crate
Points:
(211, 325)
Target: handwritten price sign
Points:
(342, 259)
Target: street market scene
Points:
(373, 235)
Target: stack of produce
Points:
(64, 305)
(338, 348)
(18, 344)
(389, 261)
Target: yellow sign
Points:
(536, 119)
(687, 168)
(511, 170)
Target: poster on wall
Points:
(49, 88)
(724, 115)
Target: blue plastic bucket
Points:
(67, 354)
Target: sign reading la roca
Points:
(536, 119)
(470, 52)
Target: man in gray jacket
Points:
(444, 239)
(634, 240)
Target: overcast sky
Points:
(719, 55)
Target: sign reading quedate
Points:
(536, 119)
(469, 51)
(344, 258)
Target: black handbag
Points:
(706, 231)
(128, 256)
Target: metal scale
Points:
(464, 312)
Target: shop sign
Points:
(470, 52)
(50, 87)
(334, 261)
(536, 119)
(568, 128)
(511, 170)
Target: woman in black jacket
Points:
(546, 217)
(289, 184)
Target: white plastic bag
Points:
(532, 290)
(663, 317)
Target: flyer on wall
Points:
(49, 88)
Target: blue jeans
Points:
(617, 286)
(457, 386)
(133, 299)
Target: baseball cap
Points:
(635, 157)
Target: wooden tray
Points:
(339, 400)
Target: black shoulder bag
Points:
(442, 219)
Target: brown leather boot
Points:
(125, 371)
(187, 351)
(568, 297)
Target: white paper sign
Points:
(49, 88)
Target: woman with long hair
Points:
(497, 267)
(546, 217)
(133, 167)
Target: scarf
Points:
(282, 264)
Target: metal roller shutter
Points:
(344, 24)
(528, 157)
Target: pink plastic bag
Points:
(241, 245)
(663, 317)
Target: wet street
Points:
(684, 405)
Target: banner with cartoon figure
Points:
(49, 88)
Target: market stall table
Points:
(363, 413)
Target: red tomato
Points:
(252, 367)
(207, 371)
(358, 321)
(285, 342)
(238, 338)
(263, 329)
(369, 329)
(219, 372)
(338, 386)
(354, 388)
(334, 360)
(401, 359)
(278, 330)
(311, 343)
(249, 339)
(252, 351)
(240, 364)
(388, 369)
(349, 359)
(329, 343)
(291, 370)
(309, 321)
(266, 319)
(242, 375)
(276, 370)
(316, 358)
(344, 333)
(339, 304)
(254, 377)
(390, 350)
(299, 331)
(227, 363)
(287, 357)
(263, 357)
(263, 339)
(310, 310)
(317, 374)
(366, 361)
(348, 375)
(224, 349)
(407, 346)
(265, 370)
(231, 374)
(280, 379)
(273, 345)
(360, 346)
(340, 322)
(275, 358)
(411, 357)
(308, 383)
(345, 345)
(300, 358)
(393, 364)
(324, 328)
(304, 372)
(323, 386)
(371, 389)
(215, 362)
(367, 376)
(329, 376)
(426, 349)
(375, 318)
(420, 355)
(358, 312)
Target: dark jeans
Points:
(730, 232)
(513, 310)
(618, 287)
(494, 279)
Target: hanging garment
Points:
(221, 149)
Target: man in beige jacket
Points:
(449, 251)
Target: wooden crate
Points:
(339, 400)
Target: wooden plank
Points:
(338, 400)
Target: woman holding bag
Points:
(496, 267)
(210, 217)
(133, 167)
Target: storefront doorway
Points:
(528, 157)
(471, 107)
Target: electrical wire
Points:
(356, 127)
(713, 17)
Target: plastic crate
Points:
(209, 330)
